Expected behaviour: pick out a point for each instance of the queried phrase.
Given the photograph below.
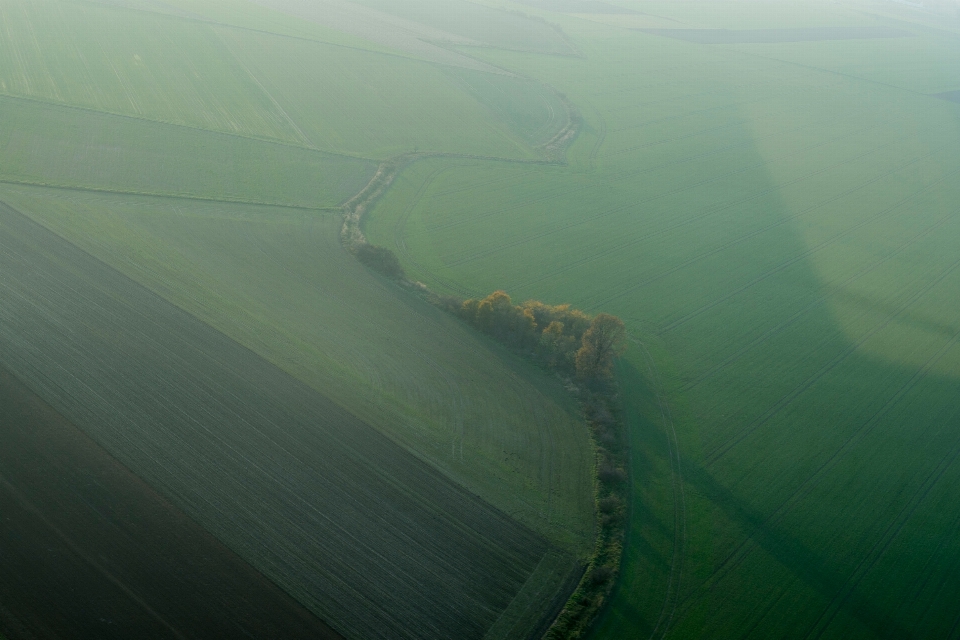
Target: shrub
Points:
(380, 259)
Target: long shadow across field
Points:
(817, 474)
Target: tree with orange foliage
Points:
(601, 343)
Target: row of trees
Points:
(573, 343)
(560, 336)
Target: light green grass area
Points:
(355, 101)
(781, 239)
(54, 145)
(916, 64)
(279, 283)
(244, 14)
(164, 138)
(480, 24)
(136, 64)
(242, 70)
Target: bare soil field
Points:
(90, 551)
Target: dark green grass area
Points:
(63, 146)
(777, 224)
(374, 541)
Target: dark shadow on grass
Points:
(803, 561)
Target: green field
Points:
(777, 223)
(188, 147)
(59, 146)
(774, 216)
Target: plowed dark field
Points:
(364, 534)
(87, 550)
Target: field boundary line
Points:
(520, 205)
(709, 211)
(197, 19)
(173, 196)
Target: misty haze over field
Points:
(479, 319)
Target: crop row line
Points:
(687, 114)
(685, 136)
(144, 339)
(725, 88)
(148, 339)
(29, 506)
(814, 249)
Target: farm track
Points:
(255, 456)
(87, 545)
